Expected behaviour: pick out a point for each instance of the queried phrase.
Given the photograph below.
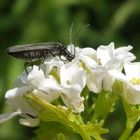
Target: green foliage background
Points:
(30, 21)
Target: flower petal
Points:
(72, 74)
(49, 65)
(105, 53)
(99, 79)
(132, 94)
(72, 98)
(49, 97)
(8, 116)
(30, 122)
(117, 75)
(16, 100)
(38, 80)
(132, 70)
(123, 49)
(73, 80)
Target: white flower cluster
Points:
(96, 69)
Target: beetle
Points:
(39, 51)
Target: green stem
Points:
(126, 133)
(103, 106)
(132, 114)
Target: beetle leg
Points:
(32, 65)
(28, 64)
(42, 60)
(64, 60)
(25, 66)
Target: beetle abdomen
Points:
(29, 55)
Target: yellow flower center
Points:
(55, 74)
(68, 82)
(135, 81)
(99, 61)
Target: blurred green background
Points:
(30, 21)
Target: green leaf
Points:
(50, 113)
(55, 131)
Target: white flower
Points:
(25, 120)
(52, 80)
(131, 82)
(99, 80)
(8, 116)
(108, 54)
(14, 97)
(73, 80)
(84, 55)
(18, 103)
(36, 82)
(108, 59)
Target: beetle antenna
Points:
(71, 28)
(76, 35)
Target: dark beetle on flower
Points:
(39, 51)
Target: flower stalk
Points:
(103, 106)
(133, 116)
